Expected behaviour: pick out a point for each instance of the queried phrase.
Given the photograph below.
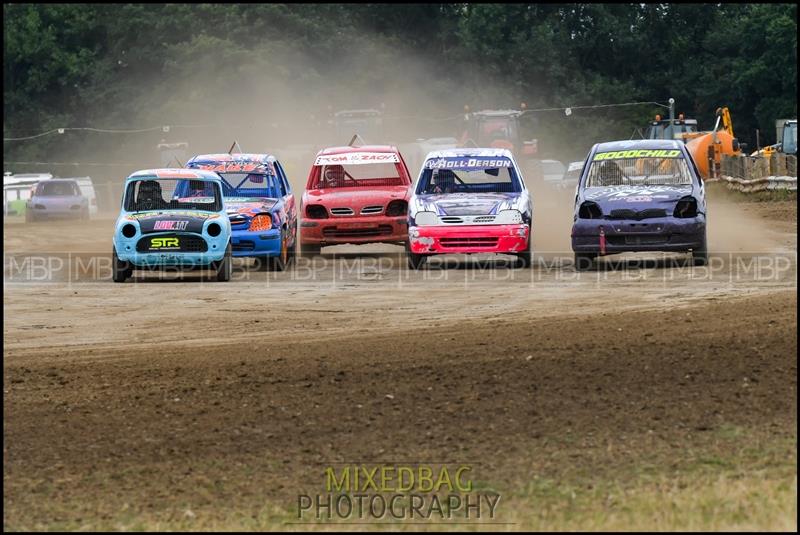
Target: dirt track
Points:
(145, 399)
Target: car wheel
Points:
(121, 269)
(225, 266)
(700, 255)
(584, 261)
(281, 262)
(415, 261)
(262, 263)
(309, 249)
(293, 247)
(526, 258)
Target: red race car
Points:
(355, 195)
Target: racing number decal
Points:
(643, 153)
(164, 243)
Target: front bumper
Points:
(154, 260)
(459, 239)
(126, 251)
(256, 242)
(339, 230)
(658, 234)
(57, 213)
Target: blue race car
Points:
(172, 218)
(260, 205)
(643, 195)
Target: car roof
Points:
(632, 144)
(234, 157)
(667, 121)
(194, 174)
(477, 152)
(575, 166)
(362, 148)
(33, 175)
(235, 163)
(58, 180)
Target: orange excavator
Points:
(707, 148)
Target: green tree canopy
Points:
(139, 65)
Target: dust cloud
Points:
(282, 103)
(734, 229)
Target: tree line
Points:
(136, 65)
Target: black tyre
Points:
(526, 257)
(584, 261)
(281, 262)
(700, 255)
(415, 261)
(225, 266)
(263, 263)
(309, 250)
(121, 269)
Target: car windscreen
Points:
(359, 175)
(252, 185)
(468, 175)
(639, 168)
(172, 194)
(57, 189)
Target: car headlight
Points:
(397, 207)
(590, 210)
(686, 207)
(426, 218)
(261, 222)
(508, 217)
(214, 230)
(129, 230)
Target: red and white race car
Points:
(355, 195)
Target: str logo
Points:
(163, 243)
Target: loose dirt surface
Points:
(184, 403)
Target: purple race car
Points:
(643, 195)
(57, 198)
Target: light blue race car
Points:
(172, 218)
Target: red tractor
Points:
(498, 129)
